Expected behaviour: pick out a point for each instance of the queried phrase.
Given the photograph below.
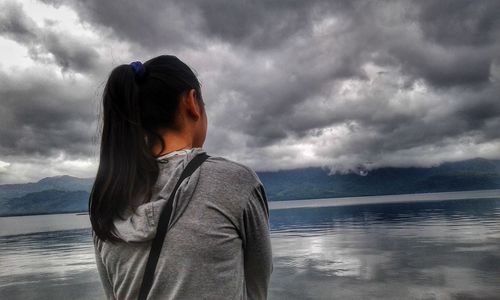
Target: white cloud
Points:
(30, 169)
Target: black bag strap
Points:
(161, 230)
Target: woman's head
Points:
(140, 103)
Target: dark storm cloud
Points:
(361, 83)
(40, 116)
(69, 52)
(456, 23)
(151, 24)
(156, 23)
(15, 24)
(258, 25)
(467, 31)
(459, 41)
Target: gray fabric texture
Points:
(218, 240)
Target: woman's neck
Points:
(173, 142)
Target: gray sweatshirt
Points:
(217, 244)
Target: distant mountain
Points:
(474, 174)
(62, 183)
(70, 194)
(50, 201)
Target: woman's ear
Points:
(192, 104)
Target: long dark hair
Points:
(134, 107)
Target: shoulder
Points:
(232, 171)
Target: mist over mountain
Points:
(474, 174)
(66, 194)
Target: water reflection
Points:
(48, 265)
(438, 250)
(426, 250)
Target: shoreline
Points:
(385, 199)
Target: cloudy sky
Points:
(348, 85)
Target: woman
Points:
(217, 245)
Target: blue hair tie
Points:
(138, 68)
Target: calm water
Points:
(415, 250)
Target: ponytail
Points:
(127, 168)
